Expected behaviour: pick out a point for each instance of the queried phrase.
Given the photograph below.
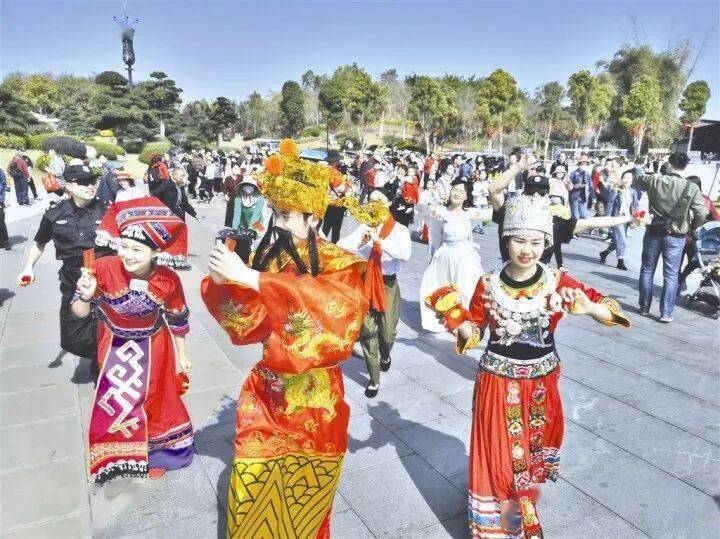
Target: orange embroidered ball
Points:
(288, 147)
(274, 165)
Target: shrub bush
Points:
(133, 146)
(35, 142)
(153, 148)
(37, 129)
(313, 131)
(109, 150)
(107, 133)
(15, 142)
(42, 162)
(66, 146)
(343, 139)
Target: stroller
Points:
(707, 259)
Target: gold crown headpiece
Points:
(373, 214)
(293, 184)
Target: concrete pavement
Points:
(641, 455)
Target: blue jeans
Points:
(619, 233)
(578, 209)
(656, 244)
(21, 190)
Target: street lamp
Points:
(127, 36)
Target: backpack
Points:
(15, 171)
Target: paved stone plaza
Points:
(641, 455)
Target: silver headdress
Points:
(530, 217)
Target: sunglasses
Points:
(85, 181)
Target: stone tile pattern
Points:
(641, 455)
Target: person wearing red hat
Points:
(139, 425)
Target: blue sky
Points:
(215, 47)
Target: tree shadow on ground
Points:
(432, 438)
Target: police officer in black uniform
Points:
(71, 224)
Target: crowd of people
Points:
(282, 274)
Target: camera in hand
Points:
(243, 237)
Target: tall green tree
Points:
(15, 117)
(41, 93)
(693, 103)
(642, 109)
(163, 96)
(669, 68)
(252, 120)
(292, 109)
(432, 105)
(549, 98)
(223, 115)
(499, 100)
(590, 100)
(363, 99)
(330, 99)
(197, 125)
(603, 98)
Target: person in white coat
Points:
(386, 245)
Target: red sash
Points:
(374, 285)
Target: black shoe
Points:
(6, 247)
(644, 312)
(621, 265)
(385, 364)
(371, 392)
(603, 256)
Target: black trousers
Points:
(4, 241)
(206, 188)
(332, 223)
(192, 182)
(33, 189)
(77, 335)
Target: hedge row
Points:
(65, 145)
(16, 142)
(152, 148)
(108, 149)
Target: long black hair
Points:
(468, 191)
(267, 252)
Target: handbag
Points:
(50, 183)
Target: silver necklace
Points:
(524, 319)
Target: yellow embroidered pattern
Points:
(279, 444)
(287, 497)
(310, 389)
(308, 344)
(102, 451)
(237, 318)
(335, 309)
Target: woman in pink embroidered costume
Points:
(138, 421)
(517, 424)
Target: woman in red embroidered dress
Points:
(138, 421)
(517, 425)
